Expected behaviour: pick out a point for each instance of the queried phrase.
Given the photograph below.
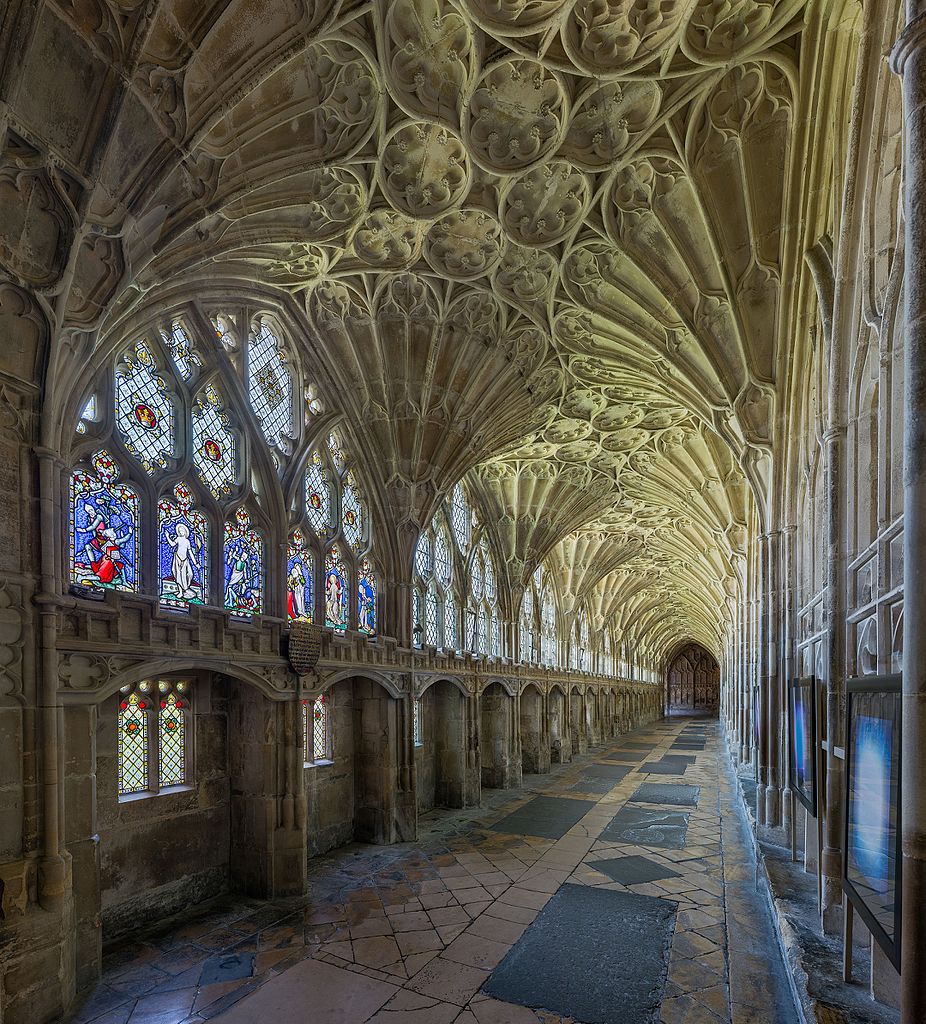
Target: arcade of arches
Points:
(435, 436)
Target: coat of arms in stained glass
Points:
(244, 564)
(215, 451)
(366, 598)
(133, 743)
(336, 591)
(352, 513)
(104, 528)
(183, 550)
(317, 495)
(144, 411)
(300, 565)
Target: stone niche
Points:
(440, 757)
(499, 767)
(535, 748)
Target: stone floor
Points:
(410, 934)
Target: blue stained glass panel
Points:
(183, 551)
(104, 528)
(144, 411)
(243, 569)
(366, 599)
(300, 565)
(336, 591)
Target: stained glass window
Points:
(352, 513)
(215, 450)
(366, 598)
(133, 743)
(270, 387)
(525, 643)
(226, 331)
(442, 563)
(496, 636)
(88, 415)
(482, 641)
(547, 630)
(144, 411)
(417, 724)
(244, 560)
(490, 585)
(104, 528)
(317, 495)
(450, 623)
(172, 740)
(461, 519)
(181, 350)
(183, 551)
(336, 590)
(336, 450)
(321, 730)
(431, 635)
(423, 555)
(300, 568)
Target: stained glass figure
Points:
(300, 568)
(244, 559)
(133, 744)
(336, 591)
(172, 742)
(183, 551)
(144, 410)
(337, 451)
(321, 729)
(431, 635)
(104, 528)
(461, 518)
(317, 495)
(181, 350)
(418, 724)
(270, 387)
(352, 513)
(226, 331)
(88, 415)
(442, 563)
(423, 555)
(366, 598)
(215, 449)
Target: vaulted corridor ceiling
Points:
(539, 242)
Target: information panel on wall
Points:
(803, 740)
(871, 867)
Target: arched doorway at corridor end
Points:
(692, 681)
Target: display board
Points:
(803, 740)
(871, 867)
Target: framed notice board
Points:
(802, 740)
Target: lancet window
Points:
(153, 736)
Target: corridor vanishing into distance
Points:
(617, 889)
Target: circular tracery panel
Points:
(516, 116)
(544, 205)
(387, 239)
(607, 118)
(424, 170)
(464, 244)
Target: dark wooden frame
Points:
(891, 947)
(809, 685)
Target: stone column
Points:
(786, 661)
(771, 683)
(909, 61)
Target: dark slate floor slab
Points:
(625, 936)
(633, 870)
(662, 793)
(660, 768)
(607, 771)
(688, 745)
(227, 967)
(645, 826)
(547, 817)
(592, 785)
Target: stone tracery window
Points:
(317, 730)
(548, 642)
(153, 736)
(167, 495)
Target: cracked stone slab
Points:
(644, 826)
(625, 935)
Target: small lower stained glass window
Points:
(172, 740)
(418, 724)
(133, 744)
(321, 733)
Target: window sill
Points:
(318, 764)
(134, 798)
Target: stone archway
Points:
(535, 753)
(441, 757)
(495, 745)
(693, 682)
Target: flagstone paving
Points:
(410, 934)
